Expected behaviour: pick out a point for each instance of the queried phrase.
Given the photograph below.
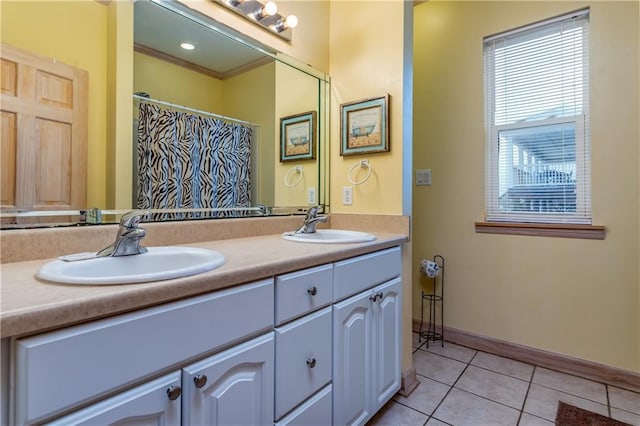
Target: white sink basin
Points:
(159, 263)
(330, 236)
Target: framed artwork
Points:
(364, 126)
(298, 137)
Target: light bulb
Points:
(270, 8)
(187, 46)
(291, 21)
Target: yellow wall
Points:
(250, 96)
(300, 96)
(168, 82)
(365, 63)
(76, 34)
(570, 296)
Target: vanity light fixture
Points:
(187, 46)
(265, 15)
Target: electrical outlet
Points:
(311, 196)
(347, 195)
(423, 177)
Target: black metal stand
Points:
(432, 334)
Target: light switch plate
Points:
(423, 177)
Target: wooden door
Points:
(44, 132)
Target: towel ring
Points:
(297, 169)
(361, 163)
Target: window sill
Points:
(591, 232)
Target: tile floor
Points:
(462, 386)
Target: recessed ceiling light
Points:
(187, 46)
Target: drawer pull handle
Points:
(174, 392)
(312, 290)
(200, 380)
(311, 362)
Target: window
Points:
(537, 113)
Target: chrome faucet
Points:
(311, 220)
(129, 235)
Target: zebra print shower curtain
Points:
(190, 161)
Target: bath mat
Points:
(568, 415)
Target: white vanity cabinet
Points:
(303, 347)
(72, 367)
(367, 336)
(318, 346)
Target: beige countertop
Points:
(28, 305)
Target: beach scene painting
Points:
(364, 126)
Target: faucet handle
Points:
(312, 212)
(131, 219)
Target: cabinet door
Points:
(387, 341)
(352, 359)
(145, 405)
(234, 387)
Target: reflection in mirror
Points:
(225, 85)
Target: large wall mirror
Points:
(230, 128)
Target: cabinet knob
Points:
(174, 392)
(373, 298)
(312, 290)
(200, 380)
(380, 295)
(311, 362)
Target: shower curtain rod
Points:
(197, 111)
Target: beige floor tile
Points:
(450, 350)
(624, 399)
(502, 365)
(571, 384)
(461, 408)
(543, 402)
(625, 416)
(436, 367)
(426, 397)
(394, 414)
(435, 422)
(416, 344)
(494, 386)
(531, 420)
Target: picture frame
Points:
(298, 137)
(364, 126)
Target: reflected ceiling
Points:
(158, 33)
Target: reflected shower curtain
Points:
(190, 161)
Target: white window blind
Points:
(537, 121)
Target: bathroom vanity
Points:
(283, 333)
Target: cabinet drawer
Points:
(360, 273)
(313, 412)
(92, 359)
(303, 291)
(303, 359)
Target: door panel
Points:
(46, 102)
